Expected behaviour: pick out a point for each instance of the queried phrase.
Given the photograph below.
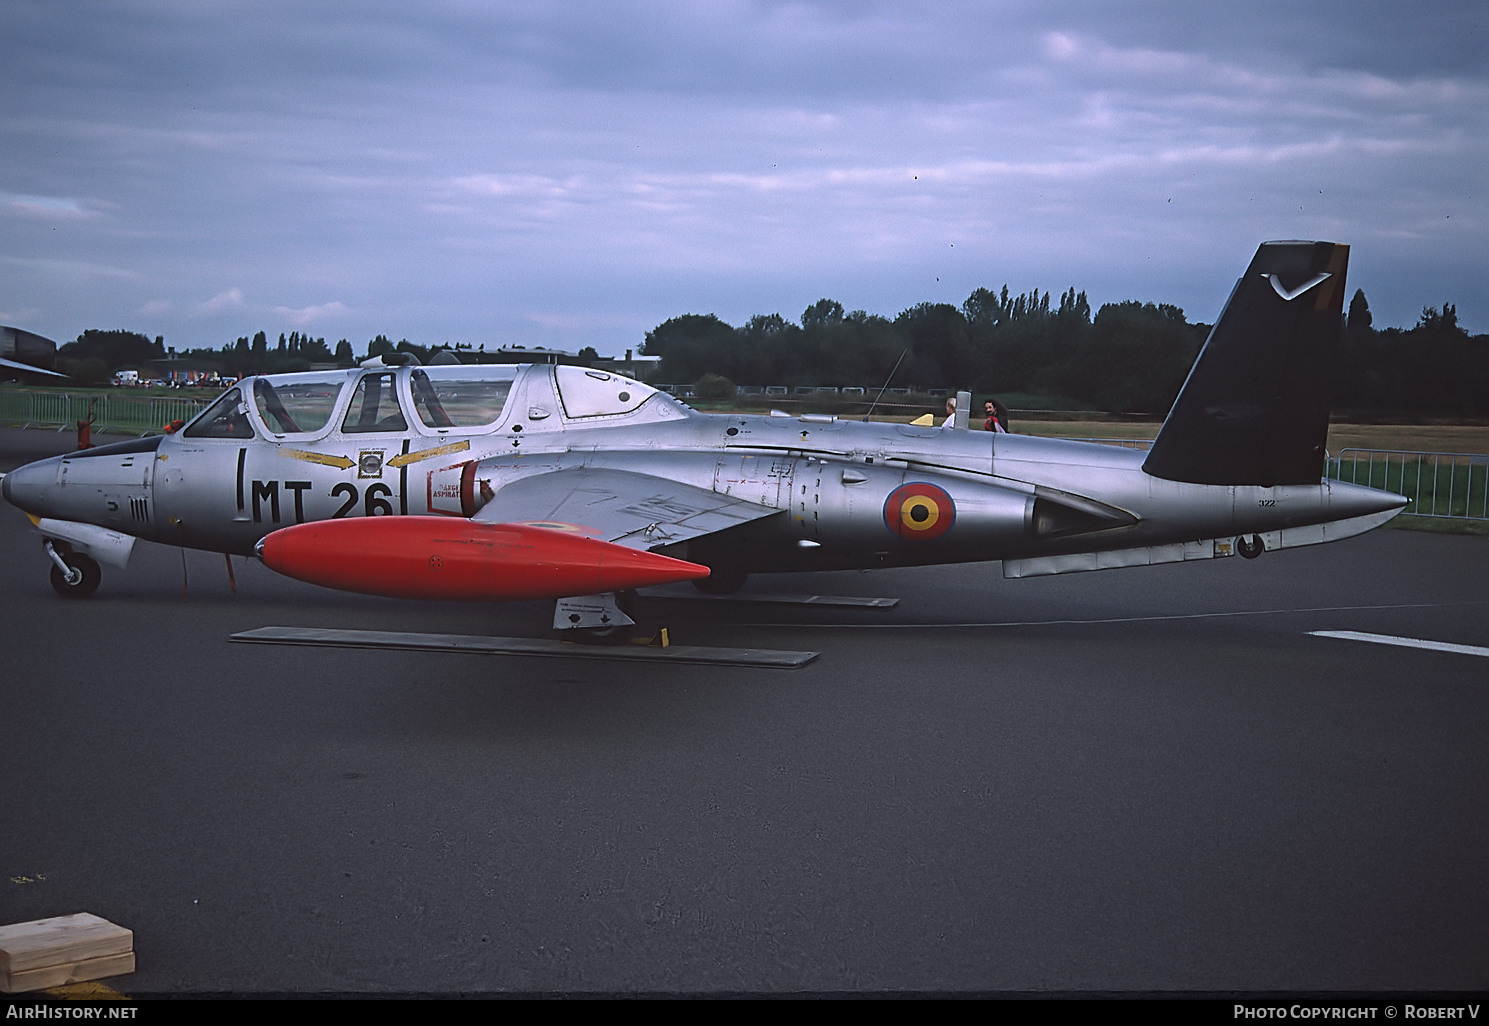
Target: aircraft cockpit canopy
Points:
(595, 393)
(297, 403)
(286, 403)
(304, 403)
(433, 398)
(463, 397)
(374, 405)
(226, 418)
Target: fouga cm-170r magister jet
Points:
(558, 482)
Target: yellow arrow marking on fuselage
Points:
(325, 459)
(423, 454)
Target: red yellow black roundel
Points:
(919, 511)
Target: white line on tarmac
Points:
(1388, 639)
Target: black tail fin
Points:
(1255, 409)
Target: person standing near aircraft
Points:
(997, 416)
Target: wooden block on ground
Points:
(68, 972)
(56, 951)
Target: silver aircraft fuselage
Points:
(1238, 467)
(442, 440)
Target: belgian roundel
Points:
(919, 511)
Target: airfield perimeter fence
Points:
(1451, 485)
(119, 413)
(1447, 485)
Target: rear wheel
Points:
(80, 581)
(1251, 547)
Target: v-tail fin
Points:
(1255, 408)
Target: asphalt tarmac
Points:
(1136, 780)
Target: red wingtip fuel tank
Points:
(440, 558)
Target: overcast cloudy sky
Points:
(569, 174)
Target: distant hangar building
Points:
(25, 352)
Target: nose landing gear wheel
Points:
(80, 581)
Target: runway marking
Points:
(1389, 639)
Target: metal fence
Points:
(1452, 485)
(119, 413)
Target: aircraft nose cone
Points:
(16, 486)
(26, 487)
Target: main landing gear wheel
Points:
(81, 579)
(617, 635)
(1251, 547)
(721, 581)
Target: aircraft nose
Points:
(109, 486)
(25, 487)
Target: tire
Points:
(1250, 548)
(601, 635)
(86, 584)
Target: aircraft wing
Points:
(28, 368)
(640, 511)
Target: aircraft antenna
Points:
(886, 383)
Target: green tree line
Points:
(1130, 357)
(95, 355)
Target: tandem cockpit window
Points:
(296, 404)
(446, 397)
(375, 406)
(226, 418)
(593, 393)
